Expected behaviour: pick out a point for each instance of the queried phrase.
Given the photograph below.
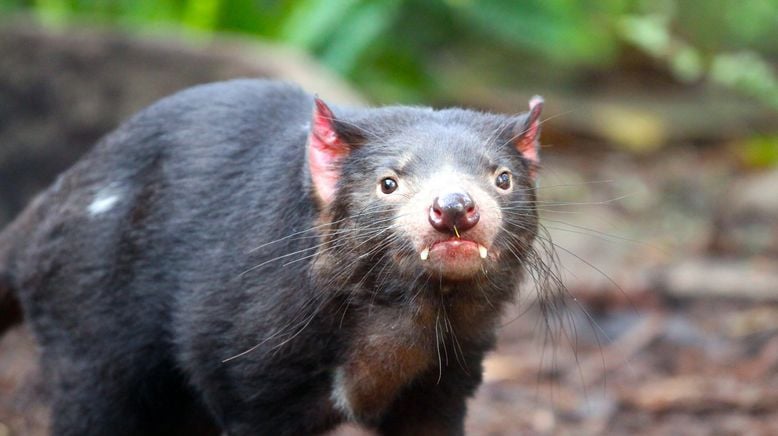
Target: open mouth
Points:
(455, 259)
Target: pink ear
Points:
(325, 150)
(528, 135)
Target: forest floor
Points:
(668, 323)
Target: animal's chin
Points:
(454, 259)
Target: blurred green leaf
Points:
(748, 73)
(649, 32)
(153, 11)
(403, 48)
(52, 11)
(687, 64)
(360, 29)
(201, 14)
(561, 30)
(312, 21)
(760, 152)
(10, 5)
(260, 17)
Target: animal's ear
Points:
(526, 132)
(328, 144)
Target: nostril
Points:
(469, 220)
(439, 216)
(453, 212)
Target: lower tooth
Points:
(425, 254)
(482, 251)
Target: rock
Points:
(747, 220)
(630, 117)
(699, 394)
(62, 90)
(706, 277)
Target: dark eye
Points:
(388, 185)
(503, 181)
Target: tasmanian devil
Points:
(240, 258)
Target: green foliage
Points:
(565, 31)
(201, 14)
(747, 72)
(727, 56)
(759, 152)
(397, 49)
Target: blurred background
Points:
(659, 185)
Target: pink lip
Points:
(455, 247)
(455, 259)
(454, 243)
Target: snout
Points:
(452, 223)
(453, 212)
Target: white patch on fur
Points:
(339, 396)
(104, 200)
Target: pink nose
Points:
(453, 210)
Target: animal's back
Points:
(103, 258)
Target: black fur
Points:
(208, 252)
